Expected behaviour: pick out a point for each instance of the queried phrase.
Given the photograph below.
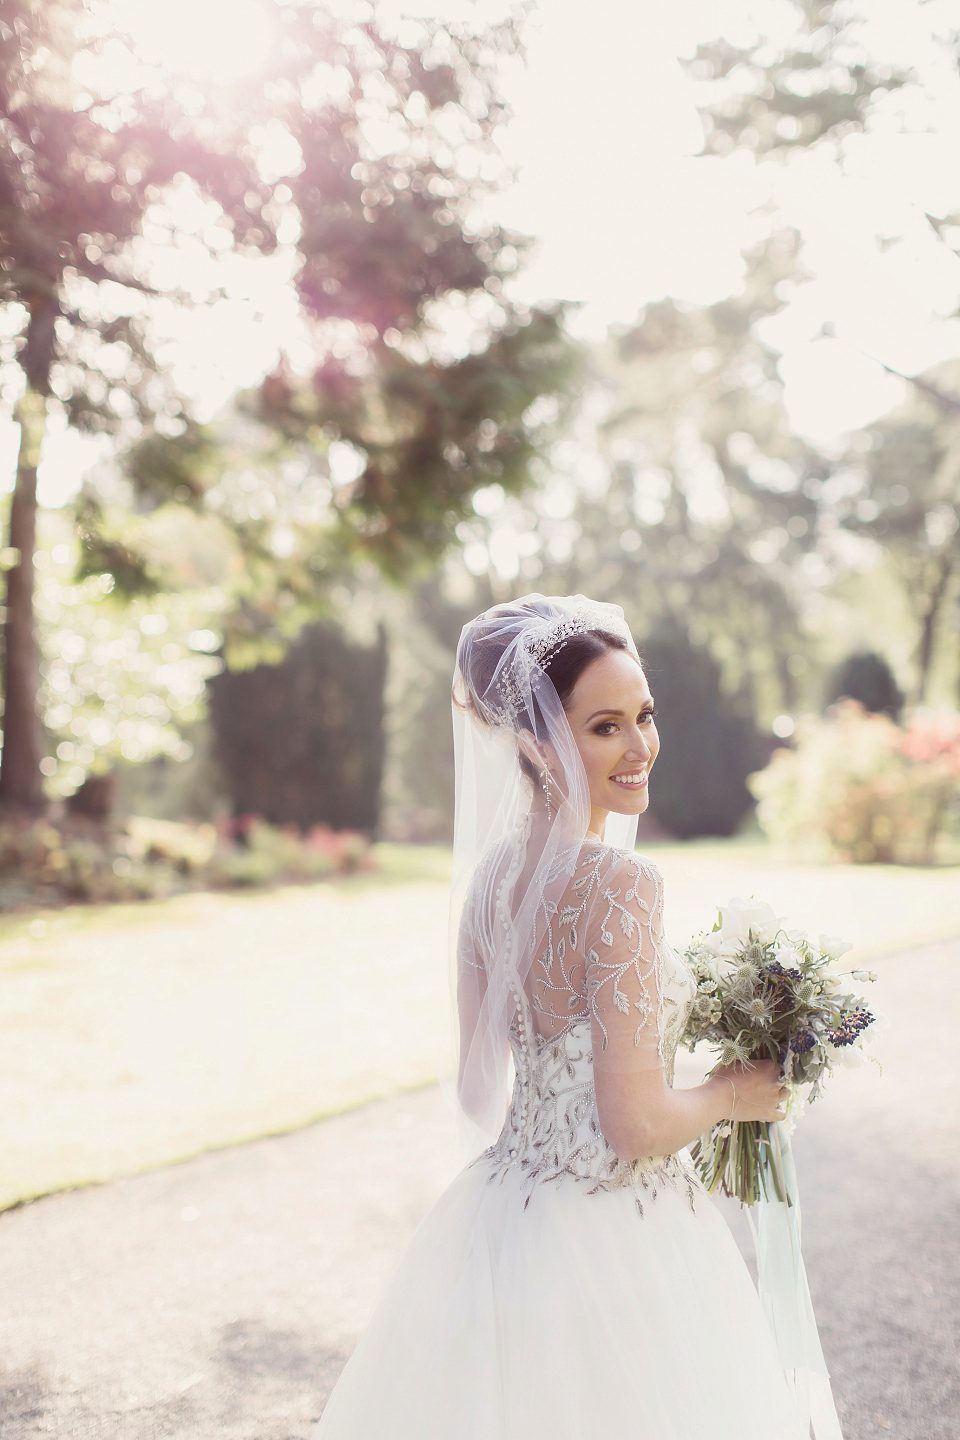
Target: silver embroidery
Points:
(552, 1130)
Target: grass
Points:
(136, 1035)
(394, 865)
(406, 863)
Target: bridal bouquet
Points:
(763, 991)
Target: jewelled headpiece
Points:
(527, 634)
(542, 646)
(545, 647)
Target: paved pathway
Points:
(217, 1299)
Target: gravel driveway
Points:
(217, 1299)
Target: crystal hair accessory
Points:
(547, 640)
(510, 699)
(545, 646)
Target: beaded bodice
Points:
(603, 965)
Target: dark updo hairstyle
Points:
(482, 694)
(566, 664)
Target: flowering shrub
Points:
(858, 787)
(268, 853)
(78, 860)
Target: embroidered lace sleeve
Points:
(624, 955)
(471, 974)
(471, 991)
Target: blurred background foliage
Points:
(255, 614)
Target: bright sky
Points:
(604, 141)
(606, 135)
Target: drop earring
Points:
(547, 784)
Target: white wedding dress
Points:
(556, 1292)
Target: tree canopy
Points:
(386, 144)
(819, 85)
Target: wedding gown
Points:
(556, 1292)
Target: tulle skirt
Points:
(570, 1317)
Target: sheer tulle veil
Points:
(522, 809)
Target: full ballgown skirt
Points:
(555, 1291)
(562, 1306)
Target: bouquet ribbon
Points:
(782, 1282)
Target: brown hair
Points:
(484, 688)
(566, 664)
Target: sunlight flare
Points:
(199, 39)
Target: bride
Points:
(575, 1282)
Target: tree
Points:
(814, 91)
(394, 256)
(392, 252)
(302, 742)
(378, 136)
(713, 512)
(710, 743)
(709, 515)
(708, 508)
(77, 176)
(908, 503)
(866, 676)
(816, 88)
(428, 434)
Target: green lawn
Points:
(134, 1035)
(393, 865)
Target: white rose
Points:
(722, 967)
(720, 947)
(730, 948)
(789, 956)
(834, 946)
(851, 1057)
(739, 917)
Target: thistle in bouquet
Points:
(767, 992)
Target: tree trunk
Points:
(21, 782)
(928, 624)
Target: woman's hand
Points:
(756, 1091)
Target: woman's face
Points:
(611, 715)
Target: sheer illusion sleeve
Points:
(482, 1054)
(624, 955)
(471, 986)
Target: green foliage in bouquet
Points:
(857, 787)
(766, 992)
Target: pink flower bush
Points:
(933, 738)
(857, 787)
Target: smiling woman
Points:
(611, 715)
(545, 1293)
